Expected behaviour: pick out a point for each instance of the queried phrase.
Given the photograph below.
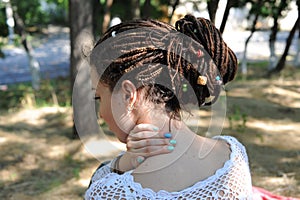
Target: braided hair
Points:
(166, 61)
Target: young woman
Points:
(149, 73)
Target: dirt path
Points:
(272, 132)
(40, 160)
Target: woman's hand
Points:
(145, 141)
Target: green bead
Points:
(184, 87)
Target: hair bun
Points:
(204, 32)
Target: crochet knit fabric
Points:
(232, 181)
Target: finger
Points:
(149, 151)
(143, 135)
(148, 134)
(144, 131)
(144, 127)
(133, 144)
(140, 159)
(136, 161)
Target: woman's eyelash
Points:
(97, 98)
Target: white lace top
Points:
(232, 181)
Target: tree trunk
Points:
(244, 61)
(273, 35)
(225, 15)
(272, 40)
(33, 63)
(146, 9)
(297, 56)
(80, 17)
(97, 13)
(107, 16)
(212, 7)
(10, 21)
(176, 3)
(281, 64)
(135, 9)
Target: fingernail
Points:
(170, 148)
(172, 141)
(168, 135)
(155, 128)
(140, 159)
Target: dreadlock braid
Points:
(203, 31)
(155, 52)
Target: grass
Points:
(55, 92)
(41, 161)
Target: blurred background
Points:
(41, 156)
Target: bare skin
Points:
(193, 159)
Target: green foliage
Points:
(239, 3)
(36, 13)
(1, 53)
(22, 95)
(237, 119)
(59, 11)
(31, 12)
(121, 9)
(3, 26)
(271, 8)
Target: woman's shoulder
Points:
(116, 186)
(234, 172)
(236, 147)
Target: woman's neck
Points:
(184, 141)
(157, 118)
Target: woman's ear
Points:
(129, 92)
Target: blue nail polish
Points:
(172, 141)
(170, 148)
(168, 135)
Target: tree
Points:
(135, 9)
(230, 4)
(212, 7)
(174, 5)
(296, 59)
(33, 63)
(253, 29)
(146, 9)
(281, 64)
(257, 10)
(276, 13)
(81, 28)
(107, 15)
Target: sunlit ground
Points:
(41, 160)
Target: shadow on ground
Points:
(41, 160)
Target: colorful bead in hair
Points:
(199, 53)
(202, 80)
